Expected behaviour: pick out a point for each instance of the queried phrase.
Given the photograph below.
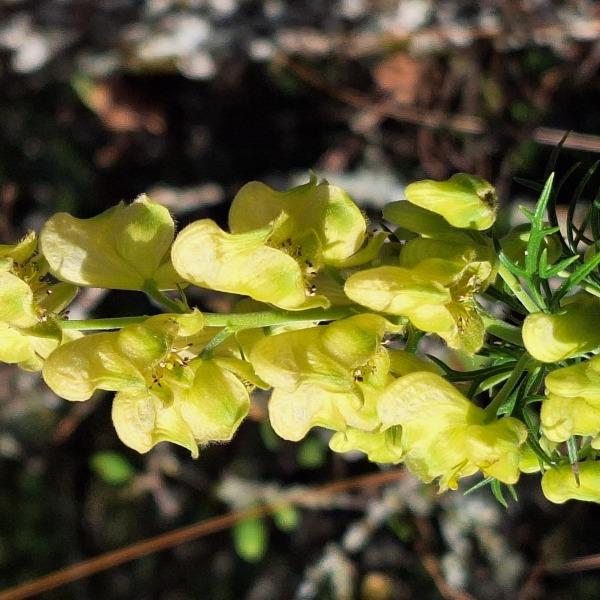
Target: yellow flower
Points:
(530, 461)
(560, 483)
(434, 287)
(325, 209)
(465, 201)
(447, 437)
(29, 305)
(278, 244)
(326, 376)
(122, 248)
(164, 393)
(251, 263)
(572, 406)
(379, 446)
(571, 332)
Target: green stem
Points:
(513, 283)
(233, 321)
(523, 364)
(152, 290)
(502, 330)
(267, 318)
(217, 340)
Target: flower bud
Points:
(561, 484)
(573, 331)
(465, 201)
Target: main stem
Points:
(233, 321)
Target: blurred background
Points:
(187, 100)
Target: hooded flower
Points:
(164, 393)
(279, 241)
(382, 445)
(561, 484)
(29, 305)
(465, 201)
(326, 376)
(434, 287)
(572, 331)
(572, 406)
(122, 248)
(447, 437)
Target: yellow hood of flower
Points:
(121, 248)
(324, 376)
(463, 200)
(573, 331)
(560, 484)
(447, 437)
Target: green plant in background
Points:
(337, 323)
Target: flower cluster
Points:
(330, 320)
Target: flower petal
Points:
(217, 404)
(324, 208)
(380, 447)
(209, 257)
(120, 249)
(563, 417)
(15, 347)
(495, 448)
(581, 379)
(16, 301)
(288, 359)
(293, 413)
(142, 421)
(416, 219)
(394, 290)
(76, 369)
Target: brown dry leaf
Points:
(399, 76)
(121, 109)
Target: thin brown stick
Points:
(576, 565)
(186, 534)
(431, 564)
(469, 124)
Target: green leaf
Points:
(536, 237)
(573, 205)
(251, 539)
(529, 184)
(552, 216)
(576, 277)
(311, 453)
(496, 488)
(286, 518)
(479, 485)
(113, 468)
(552, 271)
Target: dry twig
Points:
(186, 534)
